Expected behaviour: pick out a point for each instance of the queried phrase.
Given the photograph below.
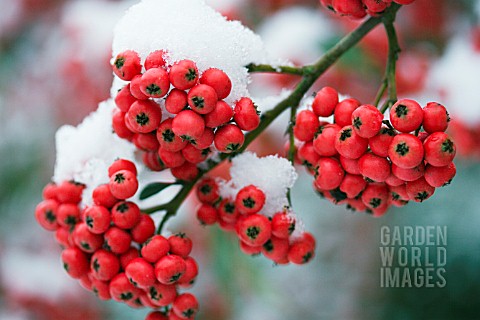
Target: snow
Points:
(225, 5)
(85, 152)
(453, 78)
(189, 29)
(272, 174)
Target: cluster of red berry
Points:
(111, 246)
(360, 8)
(257, 233)
(197, 114)
(370, 163)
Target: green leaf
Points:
(154, 188)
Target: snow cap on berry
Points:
(272, 174)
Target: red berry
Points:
(228, 138)
(350, 165)
(97, 219)
(283, 225)
(155, 59)
(207, 214)
(75, 262)
(104, 265)
(302, 250)
(307, 155)
(156, 315)
(249, 250)
(403, 1)
(140, 273)
(399, 193)
(207, 190)
(46, 214)
(161, 294)
(124, 98)
(186, 172)
(419, 190)
(249, 200)
(152, 161)
(154, 83)
(380, 143)
(122, 290)
(101, 289)
(306, 125)
(123, 184)
(324, 141)
(168, 140)
(143, 230)
(169, 269)
(171, 159)
(128, 256)
(275, 248)
(202, 99)
(135, 89)
(245, 114)
(218, 80)
(254, 229)
(50, 191)
(143, 116)
(393, 180)
(406, 151)
(374, 167)
(125, 214)
(408, 174)
(435, 117)
(127, 65)
(176, 101)
(180, 244)
(375, 6)
(352, 8)
(102, 196)
(85, 239)
(145, 141)
(325, 102)
(184, 74)
(119, 126)
(70, 192)
(440, 176)
(352, 185)
(406, 115)
(328, 173)
(367, 121)
(188, 125)
(219, 116)
(439, 149)
(121, 164)
(375, 195)
(227, 211)
(343, 111)
(185, 306)
(205, 140)
(63, 238)
(117, 240)
(190, 274)
(349, 144)
(155, 248)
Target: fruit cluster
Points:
(370, 163)
(358, 9)
(111, 246)
(257, 233)
(196, 114)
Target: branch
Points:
(279, 69)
